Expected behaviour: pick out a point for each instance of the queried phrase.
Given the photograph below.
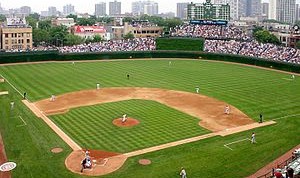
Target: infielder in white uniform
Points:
(52, 98)
(227, 109)
(97, 86)
(124, 118)
(197, 89)
(253, 138)
(182, 173)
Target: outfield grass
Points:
(92, 127)
(249, 89)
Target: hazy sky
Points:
(89, 5)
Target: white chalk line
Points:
(11, 85)
(226, 145)
(24, 123)
(283, 117)
(287, 79)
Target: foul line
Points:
(11, 85)
(283, 117)
(226, 145)
(22, 121)
(287, 79)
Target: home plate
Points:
(4, 93)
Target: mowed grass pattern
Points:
(252, 90)
(92, 126)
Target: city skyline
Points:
(82, 7)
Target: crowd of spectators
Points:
(209, 32)
(34, 49)
(136, 44)
(254, 49)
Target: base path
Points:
(209, 110)
(3, 159)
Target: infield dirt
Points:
(209, 110)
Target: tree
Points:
(97, 38)
(265, 36)
(298, 45)
(85, 21)
(128, 19)
(128, 36)
(57, 35)
(88, 40)
(40, 36)
(71, 39)
(105, 19)
(35, 16)
(171, 23)
(45, 24)
(72, 16)
(31, 21)
(2, 18)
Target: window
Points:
(6, 41)
(28, 40)
(6, 35)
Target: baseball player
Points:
(12, 104)
(253, 138)
(124, 118)
(197, 89)
(52, 98)
(98, 86)
(182, 173)
(227, 109)
(293, 76)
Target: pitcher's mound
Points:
(56, 150)
(144, 161)
(129, 122)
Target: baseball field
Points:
(160, 95)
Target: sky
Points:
(82, 5)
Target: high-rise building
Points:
(253, 8)
(52, 11)
(151, 8)
(182, 10)
(68, 9)
(137, 8)
(297, 12)
(208, 11)
(283, 10)
(114, 8)
(265, 10)
(26, 10)
(144, 7)
(237, 7)
(100, 9)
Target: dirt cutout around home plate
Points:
(130, 122)
(103, 162)
(209, 110)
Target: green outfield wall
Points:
(56, 56)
